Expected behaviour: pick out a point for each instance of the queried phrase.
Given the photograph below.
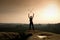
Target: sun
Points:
(50, 12)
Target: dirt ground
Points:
(48, 35)
(29, 35)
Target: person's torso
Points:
(31, 18)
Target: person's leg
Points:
(32, 26)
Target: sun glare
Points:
(50, 12)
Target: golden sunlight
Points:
(50, 12)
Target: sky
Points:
(16, 11)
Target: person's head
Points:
(31, 17)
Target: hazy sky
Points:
(16, 11)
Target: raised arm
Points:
(33, 14)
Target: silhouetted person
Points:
(31, 21)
